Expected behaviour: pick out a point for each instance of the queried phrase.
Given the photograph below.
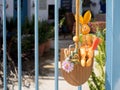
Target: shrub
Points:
(97, 81)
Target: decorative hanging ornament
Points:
(77, 60)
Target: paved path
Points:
(46, 82)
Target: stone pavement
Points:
(47, 82)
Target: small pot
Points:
(41, 49)
(47, 45)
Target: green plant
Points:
(45, 31)
(62, 21)
(11, 25)
(28, 26)
(27, 43)
(97, 80)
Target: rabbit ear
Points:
(81, 19)
(87, 17)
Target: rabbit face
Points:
(84, 20)
(85, 29)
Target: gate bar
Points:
(36, 47)
(79, 88)
(4, 45)
(109, 43)
(81, 1)
(56, 45)
(19, 45)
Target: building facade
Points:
(46, 8)
(9, 8)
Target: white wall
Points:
(73, 6)
(9, 8)
(43, 14)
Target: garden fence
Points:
(109, 45)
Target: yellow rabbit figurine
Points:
(86, 49)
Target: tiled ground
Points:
(47, 81)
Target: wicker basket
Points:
(78, 75)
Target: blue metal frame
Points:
(36, 47)
(80, 87)
(116, 46)
(113, 43)
(56, 45)
(112, 47)
(4, 45)
(109, 44)
(19, 46)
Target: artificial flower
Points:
(67, 66)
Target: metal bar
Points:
(4, 45)
(36, 47)
(109, 43)
(81, 10)
(56, 45)
(19, 45)
(79, 88)
(115, 85)
(81, 1)
(77, 22)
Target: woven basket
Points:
(79, 75)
